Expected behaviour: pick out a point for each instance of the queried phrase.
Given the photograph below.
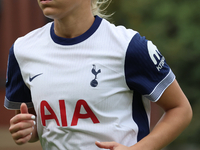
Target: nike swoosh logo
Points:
(31, 79)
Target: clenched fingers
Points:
(22, 133)
(21, 117)
(22, 136)
(21, 126)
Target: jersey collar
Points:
(76, 40)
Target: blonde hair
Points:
(99, 7)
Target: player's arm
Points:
(23, 126)
(178, 114)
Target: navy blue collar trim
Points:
(76, 40)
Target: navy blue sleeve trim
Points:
(146, 70)
(16, 89)
(15, 105)
(161, 87)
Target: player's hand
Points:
(22, 126)
(111, 146)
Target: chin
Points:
(49, 13)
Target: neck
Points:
(73, 26)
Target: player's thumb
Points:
(24, 108)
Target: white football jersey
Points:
(95, 87)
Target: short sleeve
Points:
(146, 70)
(16, 90)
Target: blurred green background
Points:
(174, 27)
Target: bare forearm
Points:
(170, 126)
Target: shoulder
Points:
(142, 52)
(119, 32)
(33, 36)
(142, 49)
(132, 42)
